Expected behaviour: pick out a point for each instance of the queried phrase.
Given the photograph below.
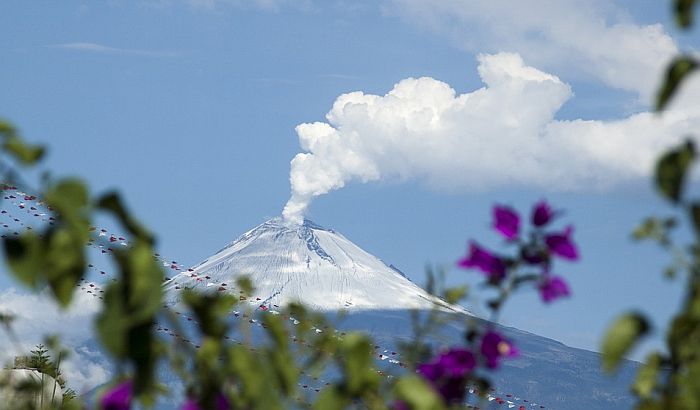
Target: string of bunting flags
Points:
(104, 242)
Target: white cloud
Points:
(102, 49)
(504, 134)
(38, 316)
(577, 37)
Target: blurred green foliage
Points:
(267, 375)
(669, 379)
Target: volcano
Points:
(327, 272)
(310, 264)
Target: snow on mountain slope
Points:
(310, 264)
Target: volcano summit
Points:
(310, 264)
(325, 271)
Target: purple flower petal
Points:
(561, 244)
(494, 347)
(457, 362)
(430, 371)
(190, 404)
(506, 221)
(446, 373)
(119, 397)
(483, 260)
(400, 405)
(552, 288)
(221, 402)
(452, 390)
(542, 214)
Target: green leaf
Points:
(209, 352)
(454, 295)
(647, 376)
(656, 229)
(676, 73)
(245, 366)
(331, 398)
(65, 262)
(27, 154)
(57, 259)
(112, 202)
(281, 358)
(14, 145)
(143, 353)
(68, 193)
(275, 328)
(144, 280)
(25, 257)
(245, 285)
(7, 130)
(210, 309)
(684, 12)
(621, 337)
(70, 199)
(670, 272)
(695, 216)
(126, 322)
(671, 170)
(649, 228)
(128, 335)
(356, 351)
(113, 322)
(417, 394)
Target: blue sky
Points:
(190, 108)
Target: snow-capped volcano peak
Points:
(307, 263)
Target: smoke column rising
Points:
(504, 134)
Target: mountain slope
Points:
(310, 264)
(327, 272)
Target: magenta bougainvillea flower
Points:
(220, 402)
(506, 221)
(400, 405)
(119, 397)
(494, 347)
(190, 404)
(552, 288)
(446, 373)
(562, 245)
(479, 258)
(457, 362)
(450, 388)
(542, 214)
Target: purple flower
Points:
(431, 371)
(542, 213)
(119, 397)
(220, 401)
(457, 362)
(561, 244)
(506, 221)
(553, 287)
(494, 347)
(400, 405)
(483, 260)
(446, 373)
(450, 388)
(190, 404)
